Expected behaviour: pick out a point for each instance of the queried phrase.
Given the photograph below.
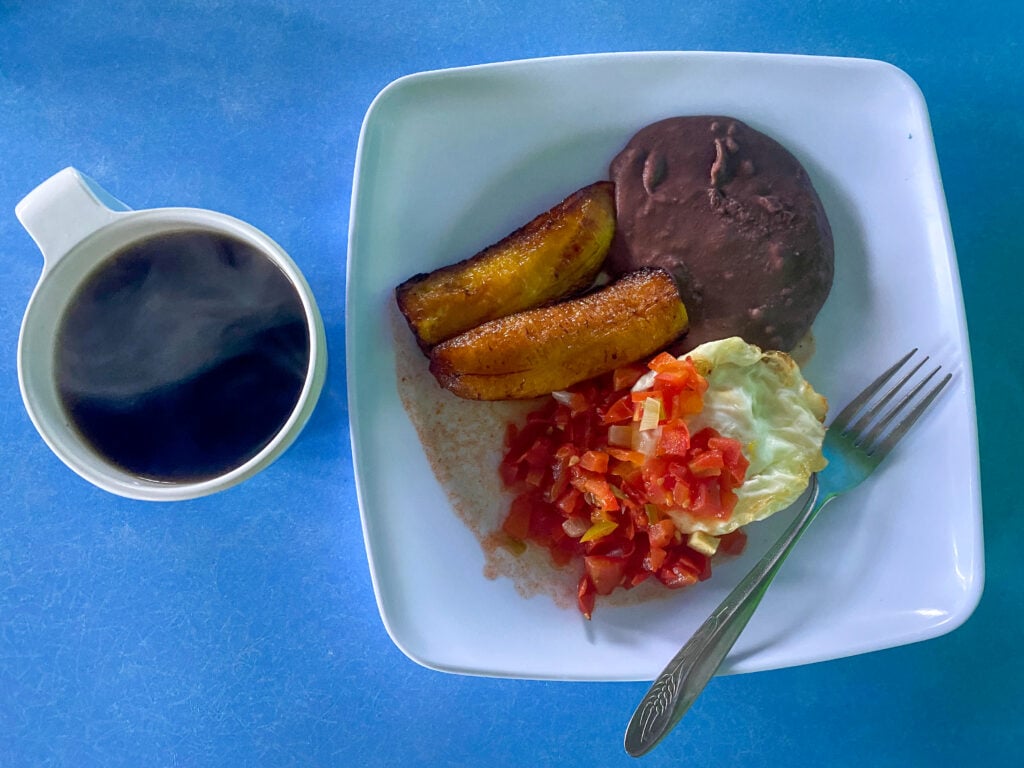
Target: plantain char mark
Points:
(541, 350)
(555, 255)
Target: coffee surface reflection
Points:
(182, 356)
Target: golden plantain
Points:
(557, 254)
(541, 350)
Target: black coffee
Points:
(182, 356)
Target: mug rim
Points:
(80, 261)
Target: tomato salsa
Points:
(598, 467)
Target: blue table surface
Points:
(241, 629)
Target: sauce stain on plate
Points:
(463, 442)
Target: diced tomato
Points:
(559, 475)
(594, 461)
(535, 476)
(707, 500)
(561, 557)
(685, 403)
(581, 430)
(676, 374)
(595, 489)
(654, 483)
(675, 439)
(627, 528)
(677, 574)
(620, 410)
(663, 362)
(565, 452)
(629, 456)
(577, 403)
(654, 559)
(585, 596)
(698, 382)
(707, 463)
(510, 473)
(617, 547)
(590, 486)
(628, 476)
(569, 502)
(677, 468)
(539, 453)
(730, 449)
(604, 572)
(638, 577)
(660, 534)
(681, 494)
(517, 523)
(699, 563)
(732, 453)
(627, 376)
(733, 543)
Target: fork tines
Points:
(877, 442)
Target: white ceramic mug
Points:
(77, 225)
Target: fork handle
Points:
(682, 681)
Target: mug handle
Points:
(64, 210)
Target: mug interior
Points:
(59, 284)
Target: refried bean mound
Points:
(732, 215)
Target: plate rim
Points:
(967, 599)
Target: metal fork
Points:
(859, 438)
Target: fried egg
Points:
(762, 400)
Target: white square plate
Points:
(451, 161)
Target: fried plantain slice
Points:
(555, 255)
(541, 350)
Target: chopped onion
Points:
(646, 441)
(620, 435)
(575, 527)
(651, 414)
(702, 542)
(563, 397)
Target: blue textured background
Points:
(241, 629)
